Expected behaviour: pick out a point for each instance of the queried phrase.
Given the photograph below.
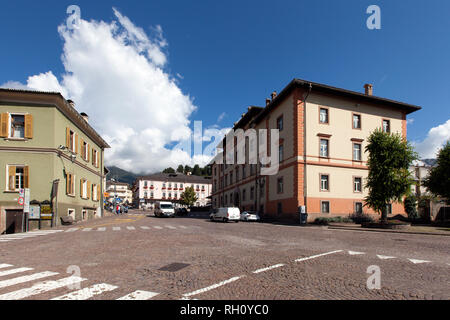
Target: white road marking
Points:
(35, 276)
(116, 228)
(145, 227)
(101, 229)
(317, 256)
(12, 271)
(139, 295)
(355, 253)
(268, 268)
(384, 257)
(211, 287)
(131, 228)
(170, 227)
(87, 293)
(1, 240)
(5, 265)
(157, 227)
(41, 287)
(416, 261)
(71, 229)
(87, 229)
(183, 227)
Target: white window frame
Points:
(10, 115)
(357, 156)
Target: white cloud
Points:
(221, 116)
(436, 138)
(410, 121)
(114, 72)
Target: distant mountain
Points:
(121, 175)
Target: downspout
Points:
(101, 185)
(305, 188)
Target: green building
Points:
(50, 148)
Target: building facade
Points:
(169, 187)
(48, 147)
(323, 133)
(119, 190)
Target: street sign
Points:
(21, 193)
(46, 212)
(26, 205)
(35, 212)
(21, 201)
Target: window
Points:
(181, 186)
(85, 150)
(170, 195)
(280, 153)
(145, 194)
(226, 199)
(357, 152)
(280, 123)
(386, 126)
(237, 173)
(325, 206)
(18, 177)
(356, 121)
(357, 184)
(243, 172)
(280, 185)
(324, 148)
(279, 208)
(94, 192)
(152, 194)
(231, 177)
(84, 214)
(323, 115)
(95, 158)
(358, 207)
(324, 182)
(252, 193)
(17, 126)
(72, 141)
(389, 208)
(164, 195)
(70, 184)
(71, 213)
(84, 189)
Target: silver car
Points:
(250, 216)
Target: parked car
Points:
(226, 214)
(164, 209)
(182, 211)
(250, 216)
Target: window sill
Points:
(16, 139)
(11, 191)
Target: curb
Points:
(387, 230)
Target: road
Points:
(135, 256)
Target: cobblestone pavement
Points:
(138, 256)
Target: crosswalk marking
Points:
(87, 293)
(170, 227)
(384, 257)
(1, 240)
(354, 253)
(183, 227)
(101, 229)
(12, 271)
(36, 276)
(157, 227)
(71, 229)
(5, 265)
(41, 288)
(145, 227)
(416, 261)
(116, 228)
(87, 229)
(131, 228)
(139, 295)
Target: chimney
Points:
(368, 89)
(85, 117)
(267, 102)
(274, 94)
(71, 103)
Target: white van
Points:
(164, 209)
(226, 214)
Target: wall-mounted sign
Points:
(26, 204)
(46, 212)
(35, 212)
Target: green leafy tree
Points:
(410, 205)
(187, 169)
(180, 169)
(438, 181)
(197, 171)
(389, 178)
(169, 170)
(188, 197)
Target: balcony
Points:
(152, 187)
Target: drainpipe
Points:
(305, 188)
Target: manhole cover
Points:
(173, 267)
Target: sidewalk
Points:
(427, 230)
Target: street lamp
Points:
(73, 155)
(115, 194)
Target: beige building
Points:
(323, 132)
(169, 187)
(46, 146)
(119, 190)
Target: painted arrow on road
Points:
(354, 253)
(384, 257)
(415, 261)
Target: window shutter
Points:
(76, 142)
(26, 177)
(98, 192)
(4, 125)
(68, 137)
(11, 177)
(68, 183)
(88, 157)
(93, 156)
(88, 187)
(29, 126)
(81, 188)
(72, 184)
(82, 149)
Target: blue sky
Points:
(232, 54)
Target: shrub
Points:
(360, 218)
(327, 220)
(410, 206)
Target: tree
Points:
(188, 197)
(438, 181)
(410, 205)
(180, 169)
(389, 178)
(169, 170)
(187, 169)
(197, 171)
